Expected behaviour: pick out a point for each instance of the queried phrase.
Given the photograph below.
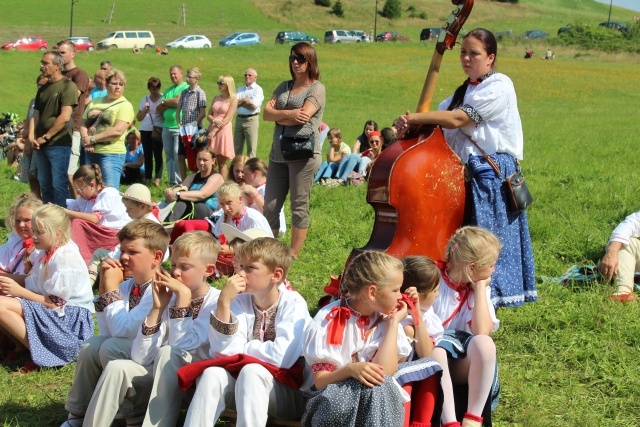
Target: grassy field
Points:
(570, 359)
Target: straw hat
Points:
(138, 193)
(230, 232)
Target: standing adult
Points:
(106, 66)
(296, 106)
(100, 89)
(103, 133)
(250, 97)
(150, 118)
(480, 118)
(77, 75)
(173, 148)
(49, 134)
(219, 134)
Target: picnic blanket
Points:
(583, 274)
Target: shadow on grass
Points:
(22, 414)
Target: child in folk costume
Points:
(14, 255)
(355, 347)
(173, 334)
(49, 311)
(256, 336)
(468, 317)
(255, 176)
(97, 214)
(121, 307)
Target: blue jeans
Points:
(347, 164)
(111, 166)
(170, 142)
(53, 163)
(327, 170)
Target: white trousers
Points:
(216, 390)
(628, 265)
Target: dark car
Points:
(294, 37)
(429, 33)
(391, 36)
(534, 34)
(82, 43)
(26, 43)
(614, 25)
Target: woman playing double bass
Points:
(484, 109)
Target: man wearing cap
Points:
(77, 75)
(49, 134)
(250, 97)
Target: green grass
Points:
(568, 360)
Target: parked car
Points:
(341, 36)
(82, 43)
(191, 42)
(26, 43)
(294, 37)
(430, 33)
(614, 25)
(127, 40)
(390, 36)
(534, 34)
(363, 36)
(241, 39)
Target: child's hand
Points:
(412, 293)
(10, 287)
(164, 278)
(368, 373)
(400, 312)
(480, 285)
(234, 285)
(161, 295)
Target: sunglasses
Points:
(220, 83)
(300, 58)
(248, 75)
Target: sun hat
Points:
(138, 193)
(230, 233)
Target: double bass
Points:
(416, 186)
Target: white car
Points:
(192, 41)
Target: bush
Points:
(600, 38)
(324, 3)
(392, 9)
(337, 9)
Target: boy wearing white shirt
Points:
(256, 318)
(120, 309)
(173, 334)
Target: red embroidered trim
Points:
(319, 367)
(59, 302)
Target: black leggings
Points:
(180, 209)
(152, 151)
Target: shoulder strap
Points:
(484, 154)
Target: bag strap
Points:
(149, 113)
(484, 154)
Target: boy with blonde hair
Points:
(121, 306)
(173, 334)
(256, 332)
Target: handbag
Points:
(517, 193)
(156, 131)
(296, 147)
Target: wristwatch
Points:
(178, 194)
(92, 140)
(162, 102)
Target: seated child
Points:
(355, 346)
(121, 307)
(49, 311)
(97, 214)
(173, 334)
(14, 255)
(466, 351)
(255, 177)
(336, 152)
(360, 162)
(138, 204)
(256, 331)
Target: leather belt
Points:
(246, 116)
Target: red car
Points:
(82, 43)
(391, 37)
(26, 43)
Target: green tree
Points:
(337, 9)
(325, 3)
(392, 9)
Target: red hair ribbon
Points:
(337, 318)
(414, 310)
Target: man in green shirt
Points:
(173, 148)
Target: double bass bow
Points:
(416, 186)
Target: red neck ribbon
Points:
(337, 318)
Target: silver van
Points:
(127, 40)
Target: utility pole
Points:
(609, 20)
(375, 22)
(71, 21)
